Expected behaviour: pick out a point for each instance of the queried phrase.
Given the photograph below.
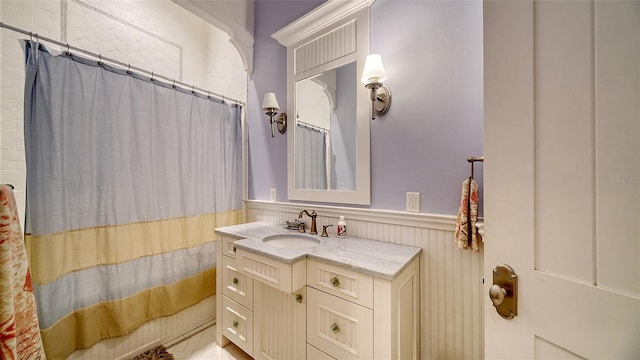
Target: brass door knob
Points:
(504, 291)
(497, 294)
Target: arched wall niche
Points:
(234, 18)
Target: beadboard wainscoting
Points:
(451, 278)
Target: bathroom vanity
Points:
(284, 296)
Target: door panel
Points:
(562, 176)
(618, 148)
(563, 128)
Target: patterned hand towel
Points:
(462, 227)
(19, 330)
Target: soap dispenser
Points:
(342, 228)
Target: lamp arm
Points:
(373, 95)
(273, 126)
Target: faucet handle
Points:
(301, 228)
(324, 230)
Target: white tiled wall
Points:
(156, 35)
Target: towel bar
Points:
(471, 160)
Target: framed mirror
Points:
(328, 144)
(326, 135)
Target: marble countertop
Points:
(376, 258)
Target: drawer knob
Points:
(335, 328)
(335, 282)
(299, 298)
(235, 324)
(235, 281)
(234, 249)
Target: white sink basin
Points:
(292, 241)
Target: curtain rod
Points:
(128, 67)
(313, 127)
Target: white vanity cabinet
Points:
(330, 301)
(262, 308)
(344, 307)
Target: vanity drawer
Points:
(315, 354)
(280, 275)
(235, 285)
(340, 328)
(341, 282)
(237, 324)
(227, 246)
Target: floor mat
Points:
(157, 353)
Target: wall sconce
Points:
(373, 76)
(270, 107)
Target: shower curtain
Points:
(311, 165)
(127, 177)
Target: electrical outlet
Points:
(413, 201)
(273, 195)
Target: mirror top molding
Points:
(319, 19)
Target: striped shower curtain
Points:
(127, 178)
(311, 165)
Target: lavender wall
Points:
(267, 155)
(432, 51)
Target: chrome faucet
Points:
(313, 230)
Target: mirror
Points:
(325, 128)
(328, 145)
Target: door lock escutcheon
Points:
(504, 291)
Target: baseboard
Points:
(180, 338)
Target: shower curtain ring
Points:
(100, 63)
(68, 53)
(174, 83)
(152, 76)
(193, 89)
(129, 69)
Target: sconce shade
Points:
(270, 102)
(373, 70)
(270, 107)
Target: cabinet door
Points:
(286, 277)
(338, 281)
(338, 327)
(235, 285)
(227, 246)
(237, 324)
(280, 323)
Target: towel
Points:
(19, 329)
(462, 227)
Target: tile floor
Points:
(202, 346)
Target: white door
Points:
(562, 176)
